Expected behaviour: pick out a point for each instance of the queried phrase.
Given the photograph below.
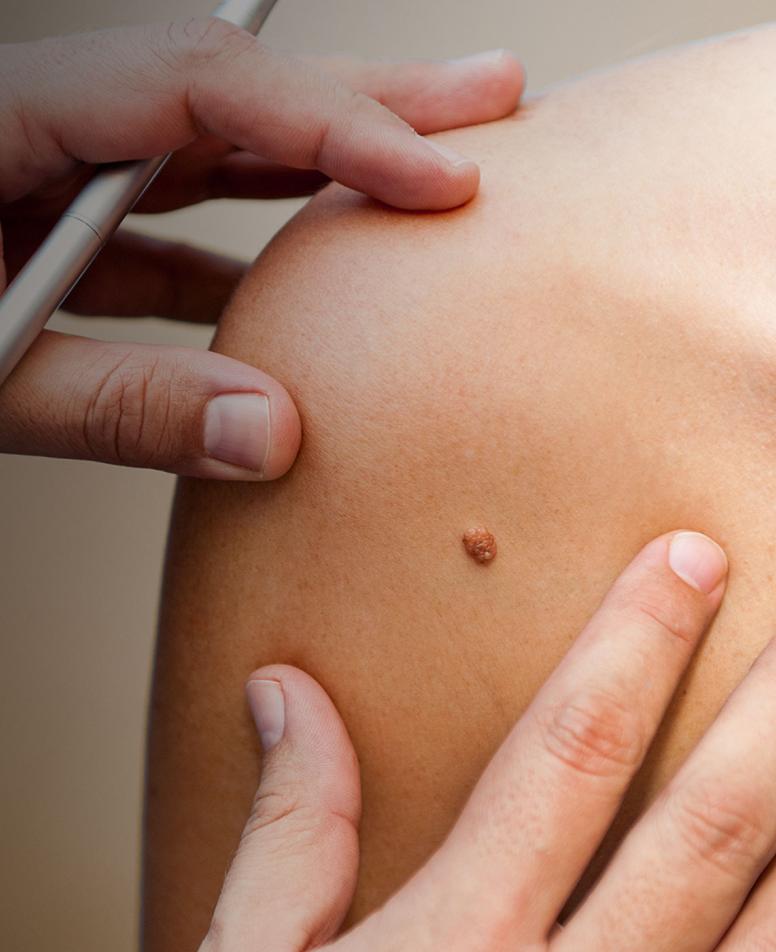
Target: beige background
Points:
(83, 543)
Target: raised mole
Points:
(480, 544)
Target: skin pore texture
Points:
(581, 359)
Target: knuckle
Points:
(370, 108)
(205, 40)
(593, 733)
(342, 102)
(723, 828)
(127, 417)
(349, 112)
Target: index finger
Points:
(135, 93)
(551, 791)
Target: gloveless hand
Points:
(246, 123)
(682, 879)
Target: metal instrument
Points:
(87, 224)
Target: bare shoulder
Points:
(578, 360)
(621, 174)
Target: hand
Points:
(248, 123)
(540, 809)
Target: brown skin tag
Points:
(480, 544)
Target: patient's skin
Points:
(580, 360)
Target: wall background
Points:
(82, 544)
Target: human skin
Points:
(537, 813)
(243, 122)
(579, 360)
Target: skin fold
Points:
(582, 358)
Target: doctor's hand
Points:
(245, 122)
(682, 879)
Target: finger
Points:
(546, 799)
(184, 411)
(433, 96)
(755, 928)
(138, 276)
(90, 103)
(292, 880)
(684, 871)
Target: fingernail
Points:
(265, 699)
(237, 429)
(697, 560)
(478, 59)
(453, 157)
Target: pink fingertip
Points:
(697, 560)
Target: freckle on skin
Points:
(480, 544)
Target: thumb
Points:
(172, 408)
(292, 879)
